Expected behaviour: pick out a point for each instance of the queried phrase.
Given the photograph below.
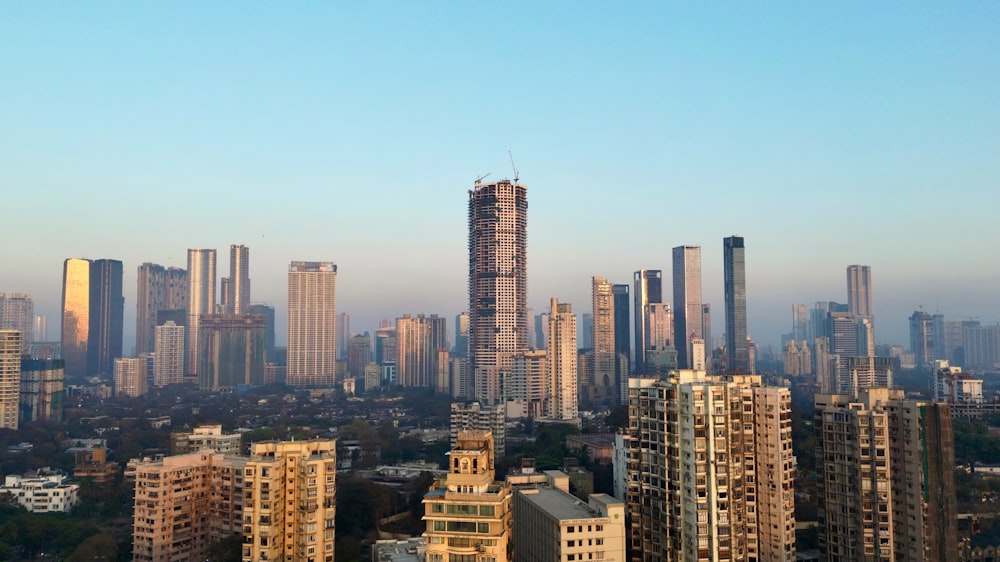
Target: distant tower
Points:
(859, 291)
(10, 377)
(498, 288)
(623, 340)
(268, 312)
(461, 348)
(737, 345)
(312, 324)
(562, 361)
(687, 301)
(107, 310)
(418, 341)
(648, 289)
(800, 322)
(201, 300)
(130, 376)
(75, 316)
(17, 312)
(603, 343)
(168, 366)
(238, 298)
(706, 328)
(158, 288)
(230, 351)
(41, 331)
(343, 335)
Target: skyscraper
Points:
(800, 322)
(41, 390)
(623, 340)
(10, 377)
(267, 311)
(75, 315)
(130, 376)
(158, 288)
(201, 300)
(312, 324)
(648, 289)
(343, 335)
(859, 291)
(238, 300)
(737, 345)
(922, 342)
(706, 328)
(562, 361)
(603, 344)
(498, 286)
(17, 312)
(461, 348)
(107, 310)
(687, 301)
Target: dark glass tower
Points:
(107, 310)
(623, 339)
(737, 346)
(688, 312)
(648, 290)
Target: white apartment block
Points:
(41, 493)
(10, 377)
(168, 354)
(130, 376)
(476, 417)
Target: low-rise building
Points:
(42, 491)
(207, 437)
(551, 525)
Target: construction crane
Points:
(513, 166)
(480, 178)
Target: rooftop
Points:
(559, 504)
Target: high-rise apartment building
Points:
(711, 469)
(158, 288)
(290, 502)
(386, 346)
(419, 338)
(623, 339)
(605, 374)
(859, 291)
(562, 361)
(737, 343)
(541, 330)
(168, 365)
(800, 322)
(41, 328)
(922, 342)
(41, 394)
(238, 291)
(528, 383)
(93, 310)
(17, 312)
(886, 487)
(230, 351)
(476, 417)
(468, 513)
(498, 282)
(186, 503)
(130, 376)
(10, 377)
(312, 324)
(201, 300)
(359, 354)
(687, 300)
(706, 327)
(648, 284)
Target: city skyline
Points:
(800, 114)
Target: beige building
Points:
(886, 487)
(710, 469)
(208, 437)
(169, 352)
(468, 514)
(130, 376)
(10, 377)
(551, 525)
(528, 384)
(601, 380)
(476, 417)
(290, 501)
(418, 340)
(201, 300)
(312, 324)
(185, 503)
(562, 358)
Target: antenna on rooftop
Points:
(513, 166)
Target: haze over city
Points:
(824, 135)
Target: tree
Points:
(229, 549)
(101, 546)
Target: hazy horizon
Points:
(826, 135)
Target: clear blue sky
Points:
(825, 133)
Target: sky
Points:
(826, 134)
